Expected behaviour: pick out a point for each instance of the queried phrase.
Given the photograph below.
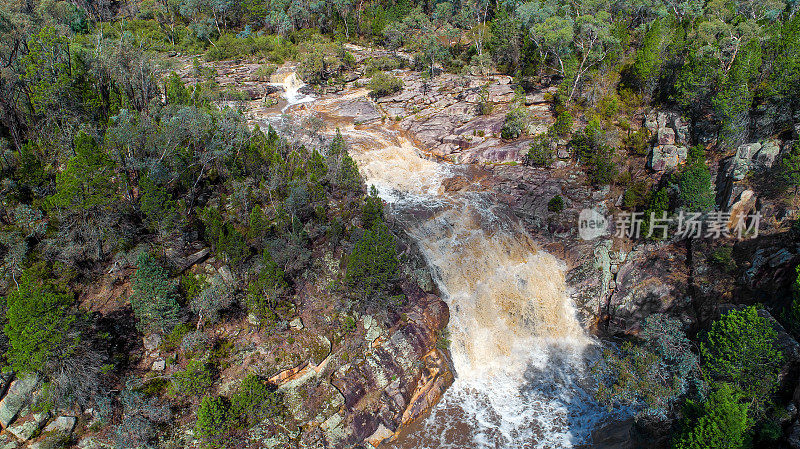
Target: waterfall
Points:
(519, 352)
(291, 84)
(517, 347)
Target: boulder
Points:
(740, 163)
(27, 428)
(642, 288)
(361, 109)
(742, 207)
(664, 157)
(765, 157)
(63, 424)
(159, 365)
(17, 397)
(296, 324)
(666, 136)
(151, 342)
(379, 436)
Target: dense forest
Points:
(118, 172)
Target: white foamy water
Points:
(291, 86)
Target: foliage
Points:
(540, 153)
(39, 324)
(741, 349)
(563, 124)
(372, 265)
(255, 401)
(790, 166)
(694, 182)
(372, 211)
(556, 204)
(382, 84)
(515, 124)
(652, 374)
(154, 298)
(211, 300)
(719, 422)
(140, 418)
(212, 420)
(196, 379)
(264, 293)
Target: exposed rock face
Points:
(671, 138)
(360, 108)
(17, 397)
(390, 386)
(643, 289)
(667, 156)
(28, 427)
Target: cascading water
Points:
(518, 349)
(291, 85)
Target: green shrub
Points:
(563, 124)
(255, 401)
(155, 296)
(723, 258)
(651, 373)
(638, 143)
(540, 153)
(382, 64)
(556, 204)
(609, 106)
(372, 265)
(720, 422)
(515, 124)
(636, 195)
(601, 167)
(195, 380)
(741, 349)
(38, 326)
(265, 71)
(382, 84)
(694, 182)
(485, 106)
(264, 293)
(212, 420)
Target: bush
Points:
(638, 143)
(38, 324)
(652, 373)
(382, 64)
(601, 168)
(264, 293)
(556, 204)
(382, 84)
(540, 153)
(741, 349)
(372, 265)
(255, 401)
(694, 182)
(484, 105)
(563, 124)
(515, 124)
(720, 422)
(212, 420)
(196, 379)
(154, 298)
